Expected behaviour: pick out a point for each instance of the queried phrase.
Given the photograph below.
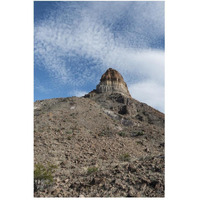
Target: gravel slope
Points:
(103, 146)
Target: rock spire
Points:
(112, 81)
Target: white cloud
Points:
(149, 92)
(79, 93)
(85, 33)
(146, 63)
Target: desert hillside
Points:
(105, 144)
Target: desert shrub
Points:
(69, 132)
(122, 134)
(72, 115)
(139, 142)
(91, 170)
(125, 157)
(106, 132)
(139, 133)
(43, 175)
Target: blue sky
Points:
(76, 42)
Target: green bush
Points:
(69, 132)
(140, 133)
(43, 176)
(92, 170)
(122, 134)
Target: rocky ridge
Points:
(105, 144)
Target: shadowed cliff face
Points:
(112, 81)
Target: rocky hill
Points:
(105, 144)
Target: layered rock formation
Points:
(112, 81)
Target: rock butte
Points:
(111, 82)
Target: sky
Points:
(76, 42)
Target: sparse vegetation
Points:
(43, 175)
(136, 134)
(122, 134)
(104, 133)
(69, 132)
(140, 133)
(91, 170)
(139, 142)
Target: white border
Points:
(182, 99)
